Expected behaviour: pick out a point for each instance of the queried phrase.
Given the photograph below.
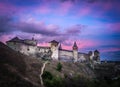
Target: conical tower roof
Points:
(60, 47)
(53, 41)
(75, 45)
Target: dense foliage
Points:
(52, 81)
(59, 67)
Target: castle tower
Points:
(75, 52)
(97, 56)
(60, 47)
(54, 45)
(33, 37)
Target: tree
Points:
(59, 67)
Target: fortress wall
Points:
(14, 45)
(83, 57)
(79, 55)
(65, 53)
(32, 49)
(28, 49)
(33, 42)
(42, 49)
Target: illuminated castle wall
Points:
(54, 51)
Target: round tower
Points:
(75, 52)
(97, 55)
(54, 46)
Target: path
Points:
(42, 70)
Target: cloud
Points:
(84, 11)
(5, 24)
(42, 10)
(35, 28)
(43, 33)
(75, 29)
(64, 7)
(8, 8)
(113, 27)
(6, 37)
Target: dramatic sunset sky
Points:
(93, 24)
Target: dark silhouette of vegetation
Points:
(52, 81)
(59, 67)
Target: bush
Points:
(59, 67)
(52, 81)
(47, 75)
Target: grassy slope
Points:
(70, 69)
(18, 70)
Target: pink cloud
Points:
(43, 44)
(4, 38)
(84, 11)
(66, 47)
(113, 27)
(10, 9)
(64, 7)
(6, 8)
(99, 8)
(82, 44)
(42, 9)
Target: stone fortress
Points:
(53, 52)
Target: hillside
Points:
(26, 69)
(15, 69)
(18, 70)
(70, 69)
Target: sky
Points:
(93, 24)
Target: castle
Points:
(54, 51)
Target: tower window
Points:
(28, 49)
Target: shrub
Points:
(59, 67)
(52, 81)
(47, 75)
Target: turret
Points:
(54, 45)
(97, 55)
(60, 47)
(75, 52)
